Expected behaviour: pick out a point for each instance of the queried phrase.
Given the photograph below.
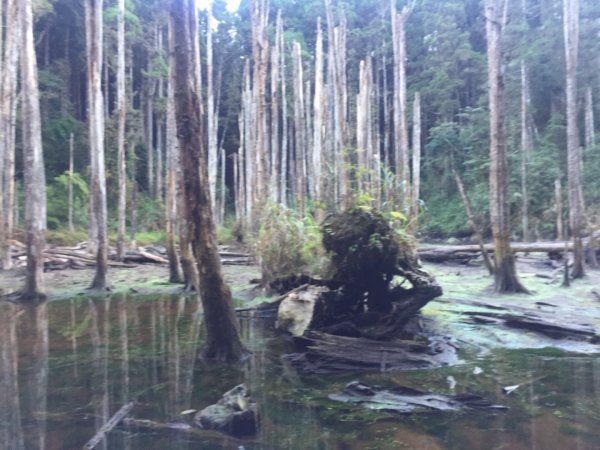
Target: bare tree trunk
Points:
(149, 125)
(8, 102)
(472, 222)
(275, 193)
(222, 186)
(260, 56)
(121, 110)
(526, 149)
(571, 35)
(222, 337)
(506, 279)
(399, 102)
(558, 206)
(416, 164)
(337, 90)
(249, 158)
(134, 201)
(362, 124)
(590, 140)
(300, 138)
(171, 188)
(160, 119)
(35, 180)
(70, 199)
(94, 32)
(284, 119)
(211, 114)
(318, 109)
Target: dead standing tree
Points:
(505, 274)
(35, 181)
(94, 32)
(222, 336)
(576, 208)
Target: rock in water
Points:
(235, 414)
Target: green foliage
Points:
(288, 244)
(58, 201)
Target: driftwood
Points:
(108, 426)
(406, 400)
(327, 353)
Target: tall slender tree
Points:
(35, 180)
(222, 337)
(94, 33)
(505, 274)
(121, 106)
(576, 209)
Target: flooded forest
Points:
(299, 224)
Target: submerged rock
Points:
(235, 414)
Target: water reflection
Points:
(68, 366)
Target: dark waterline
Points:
(67, 366)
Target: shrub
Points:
(288, 244)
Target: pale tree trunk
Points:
(94, 32)
(571, 35)
(506, 279)
(307, 159)
(33, 161)
(70, 199)
(134, 200)
(284, 119)
(260, 57)
(387, 195)
(222, 186)
(590, 140)
(222, 336)
(338, 111)
(149, 125)
(318, 109)
(249, 158)
(401, 152)
(8, 100)
(275, 194)
(558, 207)
(472, 221)
(211, 114)
(300, 138)
(170, 179)
(362, 124)
(121, 110)
(158, 190)
(526, 149)
(416, 164)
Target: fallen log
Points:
(406, 400)
(327, 353)
(445, 252)
(108, 426)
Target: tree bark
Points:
(472, 221)
(275, 193)
(121, 109)
(284, 119)
(35, 180)
(526, 148)
(260, 57)
(299, 135)
(505, 275)
(416, 164)
(222, 336)
(590, 139)
(211, 114)
(399, 102)
(94, 32)
(571, 36)
(70, 193)
(8, 101)
(170, 179)
(318, 109)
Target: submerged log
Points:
(108, 426)
(406, 400)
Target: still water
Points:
(68, 365)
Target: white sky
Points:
(232, 5)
